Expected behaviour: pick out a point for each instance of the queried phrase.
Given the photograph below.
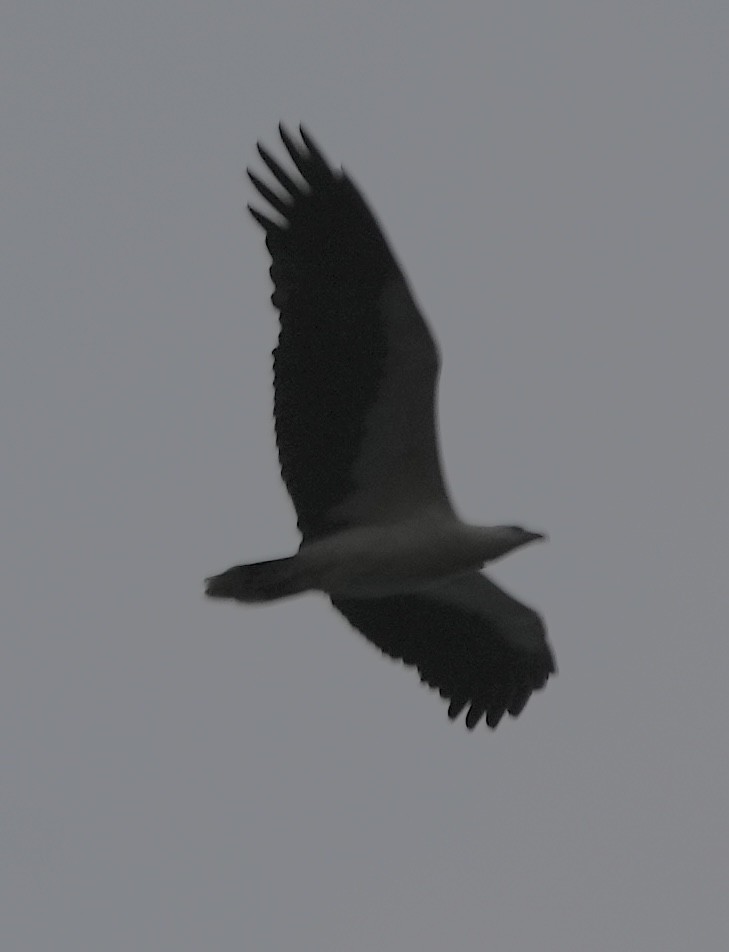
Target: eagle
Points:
(355, 377)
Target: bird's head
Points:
(504, 539)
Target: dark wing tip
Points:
(278, 173)
(273, 199)
(265, 223)
(291, 147)
(456, 706)
(316, 156)
(474, 715)
(308, 160)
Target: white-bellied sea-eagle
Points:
(355, 376)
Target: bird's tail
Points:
(259, 581)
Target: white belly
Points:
(376, 561)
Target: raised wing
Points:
(481, 648)
(356, 368)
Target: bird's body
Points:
(371, 561)
(355, 375)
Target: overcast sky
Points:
(182, 775)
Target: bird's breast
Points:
(375, 561)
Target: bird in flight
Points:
(355, 377)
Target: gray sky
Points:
(181, 775)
